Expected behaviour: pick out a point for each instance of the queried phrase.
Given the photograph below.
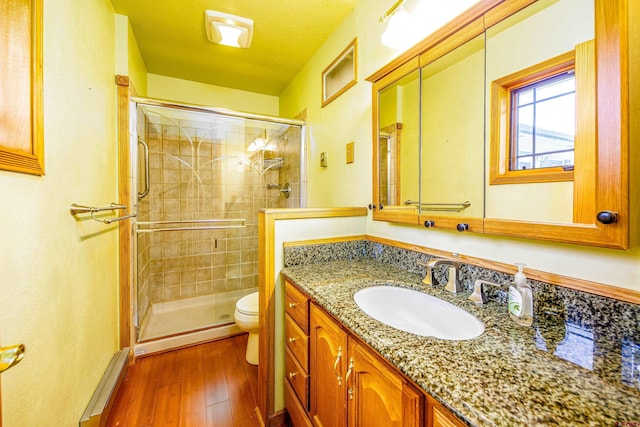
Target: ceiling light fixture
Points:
(228, 30)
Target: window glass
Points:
(543, 123)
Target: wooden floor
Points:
(206, 385)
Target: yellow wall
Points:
(137, 68)
(348, 118)
(169, 88)
(129, 60)
(58, 275)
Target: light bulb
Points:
(399, 28)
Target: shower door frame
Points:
(127, 102)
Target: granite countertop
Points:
(509, 376)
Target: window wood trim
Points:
(21, 112)
(500, 143)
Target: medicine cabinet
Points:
(514, 119)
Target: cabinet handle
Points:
(292, 305)
(346, 378)
(607, 217)
(335, 365)
(292, 374)
(292, 339)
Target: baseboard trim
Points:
(102, 400)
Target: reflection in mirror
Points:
(399, 145)
(541, 159)
(452, 136)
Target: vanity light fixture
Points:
(228, 30)
(384, 17)
(399, 22)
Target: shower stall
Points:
(201, 176)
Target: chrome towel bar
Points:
(76, 209)
(200, 224)
(442, 207)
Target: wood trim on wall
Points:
(266, 285)
(600, 289)
(124, 191)
(584, 179)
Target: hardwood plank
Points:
(148, 392)
(126, 408)
(206, 385)
(193, 409)
(214, 376)
(166, 366)
(167, 407)
(219, 415)
(240, 398)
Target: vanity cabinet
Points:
(296, 354)
(352, 386)
(438, 416)
(333, 379)
(450, 151)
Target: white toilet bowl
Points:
(246, 316)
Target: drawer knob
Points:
(292, 305)
(292, 374)
(292, 339)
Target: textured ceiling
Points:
(173, 42)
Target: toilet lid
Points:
(248, 304)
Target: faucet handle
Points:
(427, 278)
(478, 295)
(453, 283)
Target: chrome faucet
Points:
(478, 295)
(453, 284)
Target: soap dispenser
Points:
(521, 299)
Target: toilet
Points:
(246, 315)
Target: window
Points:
(533, 123)
(543, 123)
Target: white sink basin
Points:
(418, 313)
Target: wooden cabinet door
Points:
(327, 367)
(439, 416)
(378, 396)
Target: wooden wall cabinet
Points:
(601, 208)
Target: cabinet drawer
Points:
(296, 305)
(297, 342)
(298, 378)
(297, 414)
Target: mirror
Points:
(531, 124)
(398, 146)
(540, 74)
(452, 112)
